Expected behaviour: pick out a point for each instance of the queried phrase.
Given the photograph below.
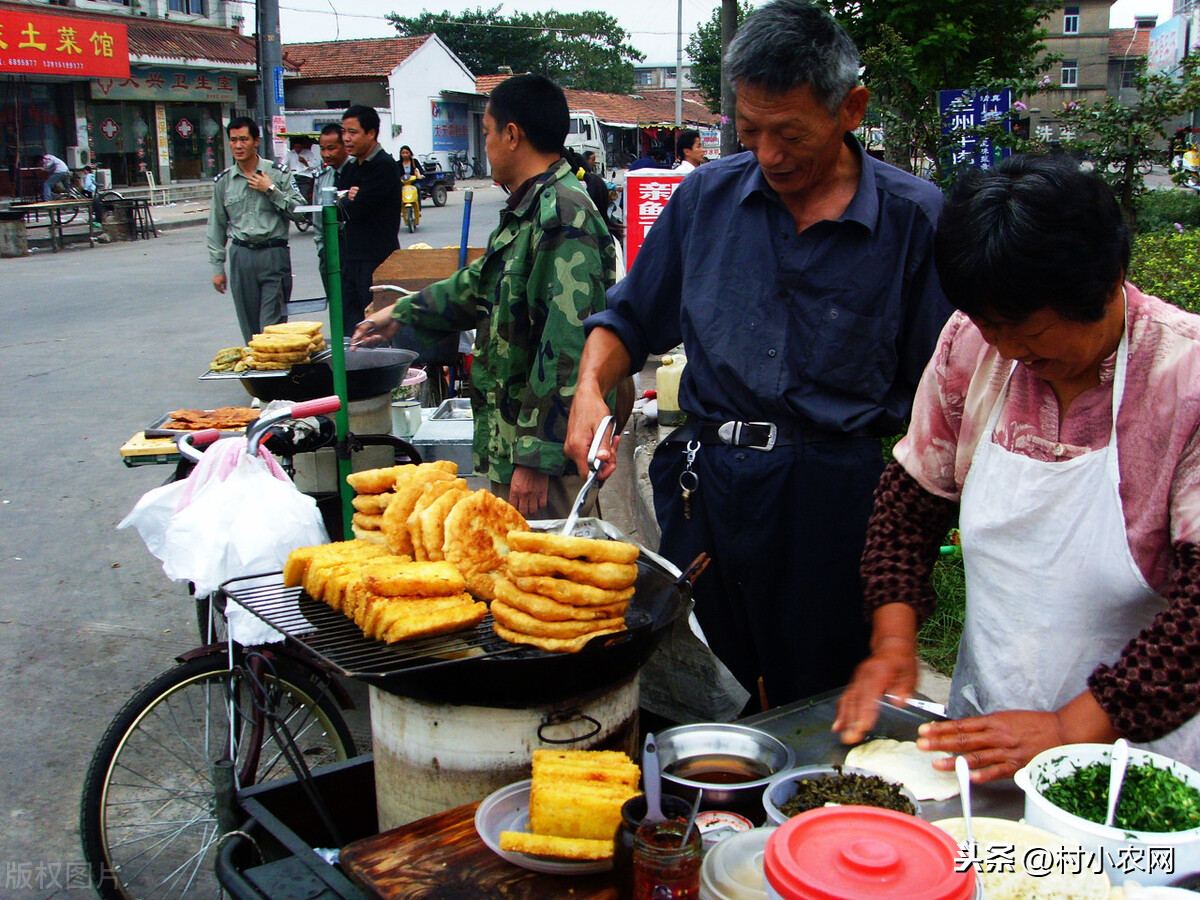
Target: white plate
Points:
(508, 810)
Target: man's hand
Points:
(528, 491)
(260, 181)
(890, 669)
(377, 328)
(219, 283)
(996, 745)
(352, 193)
(587, 410)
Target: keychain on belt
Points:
(689, 481)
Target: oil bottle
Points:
(667, 386)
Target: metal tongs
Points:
(374, 289)
(607, 426)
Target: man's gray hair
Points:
(791, 43)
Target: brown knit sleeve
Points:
(906, 529)
(1155, 686)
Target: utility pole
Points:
(729, 17)
(679, 65)
(270, 72)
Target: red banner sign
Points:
(35, 44)
(646, 194)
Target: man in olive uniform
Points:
(252, 205)
(546, 269)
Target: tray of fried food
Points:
(282, 346)
(229, 419)
(574, 804)
(390, 598)
(557, 592)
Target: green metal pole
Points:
(333, 267)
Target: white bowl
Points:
(782, 788)
(1058, 763)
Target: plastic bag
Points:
(235, 515)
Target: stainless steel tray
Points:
(456, 408)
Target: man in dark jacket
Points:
(371, 208)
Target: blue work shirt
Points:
(830, 328)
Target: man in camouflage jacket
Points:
(546, 269)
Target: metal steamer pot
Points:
(369, 373)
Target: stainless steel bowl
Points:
(717, 744)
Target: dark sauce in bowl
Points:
(719, 768)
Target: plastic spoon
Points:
(652, 781)
(1118, 762)
(963, 771)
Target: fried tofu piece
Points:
(399, 579)
(385, 614)
(551, 845)
(574, 809)
(431, 624)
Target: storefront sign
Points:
(174, 85)
(646, 196)
(710, 140)
(162, 138)
(449, 126)
(184, 128)
(35, 44)
(963, 112)
(110, 129)
(1168, 44)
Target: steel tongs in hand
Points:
(607, 426)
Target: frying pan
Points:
(369, 373)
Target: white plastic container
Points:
(733, 870)
(1058, 763)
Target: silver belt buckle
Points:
(731, 433)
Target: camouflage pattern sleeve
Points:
(447, 305)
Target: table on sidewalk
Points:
(56, 219)
(136, 212)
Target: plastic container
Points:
(1059, 762)
(667, 386)
(863, 853)
(733, 870)
(782, 788)
(664, 864)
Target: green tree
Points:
(911, 49)
(1122, 139)
(704, 50)
(588, 51)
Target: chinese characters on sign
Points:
(168, 84)
(645, 198)
(963, 112)
(1042, 861)
(34, 44)
(449, 125)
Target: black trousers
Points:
(782, 596)
(356, 291)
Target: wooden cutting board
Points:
(442, 858)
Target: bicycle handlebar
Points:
(256, 429)
(187, 443)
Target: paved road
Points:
(97, 343)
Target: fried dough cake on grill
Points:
(608, 575)
(572, 547)
(477, 531)
(564, 591)
(410, 482)
(432, 521)
(428, 495)
(549, 610)
(401, 579)
(518, 620)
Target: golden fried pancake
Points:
(426, 579)
(372, 504)
(373, 481)
(370, 536)
(431, 624)
(610, 576)
(517, 620)
(565, 591)
(431, 492)
(279, 343)
(591, 549)
(367, 522)
(253, 362)
(553, 645)
(477, 538)
(432, 519)
(294, 327)
(409, 486)
(389, 610)
(552, 845)
(551, 610)
(297, 564)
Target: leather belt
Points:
(261, 245)
(763, 436)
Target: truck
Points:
(584, 136)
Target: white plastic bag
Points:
(235, 515)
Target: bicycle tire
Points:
(147, 814)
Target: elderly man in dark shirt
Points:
(371, 209)
(806, 329)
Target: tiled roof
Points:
(167, 40)
(650, 107)
(1119, 42)
(345, 60)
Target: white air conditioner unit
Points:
(78, 157)
(103, 179)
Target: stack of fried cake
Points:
(375, 489)
(282, 346)
(558, 592)
(326, 570)
(575, 803)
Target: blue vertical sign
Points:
(279, 85)
(964, 111)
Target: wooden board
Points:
(416, 269)
(140, 445)
(443, 857)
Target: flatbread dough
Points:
(901, 761)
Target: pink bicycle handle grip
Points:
(207, 436)
(316, 407)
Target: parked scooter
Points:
(410, 203)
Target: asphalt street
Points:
(97, 344)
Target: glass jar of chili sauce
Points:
(664, 866)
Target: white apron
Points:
(1053, 590)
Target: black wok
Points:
(369, 373)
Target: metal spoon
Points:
(652, 781)
(692, 818)
(1118, 761)
(963, 771)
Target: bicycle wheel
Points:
(148, 815)
(409, 220)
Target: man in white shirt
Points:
(690, 151)
(57, 172)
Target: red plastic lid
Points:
(863, 853)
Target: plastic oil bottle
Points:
(667, 386)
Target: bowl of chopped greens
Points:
(811, 787)
(1156, 830)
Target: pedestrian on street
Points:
(806, 329)
(690, 150)
(57, 172)
(546, 269)
(252, 205)
(372, 208)
(335, 158)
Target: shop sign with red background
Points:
(646, 194)
(34, 44)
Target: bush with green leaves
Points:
(1167, 265)
(1163, 210)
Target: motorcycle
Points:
(410, 200)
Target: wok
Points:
(369, 373)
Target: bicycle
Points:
(160, 790)
(458, 161)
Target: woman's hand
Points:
(995, 745)
(890, 669)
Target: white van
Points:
(584, 135)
